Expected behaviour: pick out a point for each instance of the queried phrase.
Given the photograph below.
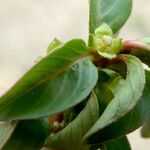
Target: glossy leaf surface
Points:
(112, 12)
(46, 90)
(133, 120)
(107, 86)
(28, 135)
(70, 138)
(123, 102)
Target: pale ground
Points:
(27, 27)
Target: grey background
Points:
(28, 26)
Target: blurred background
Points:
(28, 26)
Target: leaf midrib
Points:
(57, 73)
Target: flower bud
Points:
(102, 30)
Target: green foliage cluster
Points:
(82, 96)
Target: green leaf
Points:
(70, 137)
(112, 12)
(6, 129)
(103, 30)
(139, 48)
(28, 135)
(117, 144)
(46, 90)
(107, 86)
(130, 122)
(124, 101)
(145, 132)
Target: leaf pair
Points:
(70, 138)
(133, 119)
(124, 100)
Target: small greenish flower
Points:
(104, 29)
(105, 44)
